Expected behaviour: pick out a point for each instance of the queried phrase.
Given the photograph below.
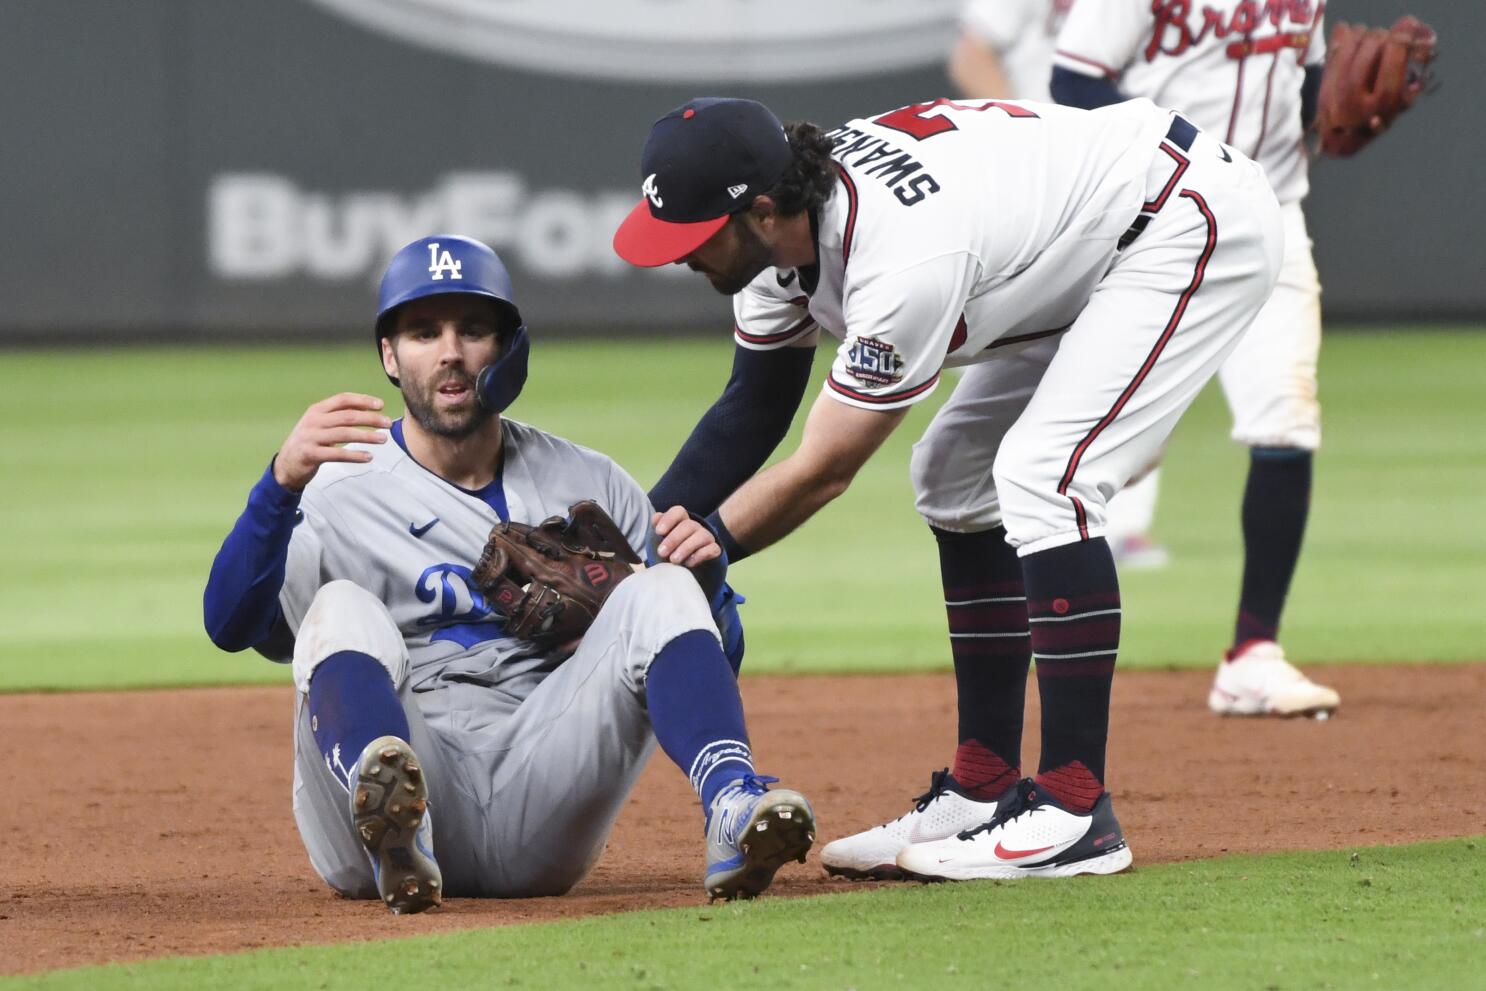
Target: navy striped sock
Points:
(987, 609)
(697, 713)
(1073, 601)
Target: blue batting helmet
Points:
(448, 263)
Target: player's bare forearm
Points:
(838, 440)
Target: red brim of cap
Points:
(647, 242)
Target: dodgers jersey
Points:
(411, 539)
(956, 228)
(1023, 33)
(1235, 67)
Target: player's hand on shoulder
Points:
(317, 438)
(684, 541)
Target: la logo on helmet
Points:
(441, 264)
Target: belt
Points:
(1181, 133)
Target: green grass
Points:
(1381, 917)
(124, 469)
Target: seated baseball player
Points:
(451, 736)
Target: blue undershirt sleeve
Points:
(737, 434)
(240, 606)
(1074, 89)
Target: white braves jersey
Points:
(956, 228)
(1023, 33)
(1235, 67)
(411, 539)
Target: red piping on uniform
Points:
(878, 400)
(1150, 361)
(1237, 99)
(1024, 338)
(1088, 61)
(783, 335)
(851, 215)
(1264, 118)
(1155, 205)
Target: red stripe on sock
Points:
(1073, 786)
(981, 774)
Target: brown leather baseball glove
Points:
(547, 583)
(1372, 76)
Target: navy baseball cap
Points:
(705, 160)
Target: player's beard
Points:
(421, 400)
(752, 258)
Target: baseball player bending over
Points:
(435, 752)
(1092, 268)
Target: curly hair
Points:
(811, 176)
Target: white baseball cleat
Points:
(1032, 836)
(1258, 681)
(943, 810)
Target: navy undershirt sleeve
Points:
(1310, 92)
(1074, 89)
(241, 603)
(737, 434)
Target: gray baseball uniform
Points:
(529, 755)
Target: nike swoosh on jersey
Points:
(784, 280)
(419, 531)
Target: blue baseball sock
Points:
(697, 713)
(352, 702)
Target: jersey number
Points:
(912, 122)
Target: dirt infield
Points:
(158, 823)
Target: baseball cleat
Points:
(1258, 681)
(872, 855)
(751, 833)
(389, 805)
(1031, 836)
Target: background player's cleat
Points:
(942, 811)
(1032, 836)
(389, 805)
(1138, 552)
(1258, 681)
(751, 833)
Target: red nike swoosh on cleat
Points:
(1005, 854)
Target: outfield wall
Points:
(212, 169)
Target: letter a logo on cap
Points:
(651, 193)
(440, 265)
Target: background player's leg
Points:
(1270, 384)
(1276, 502)
(1132, 513)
